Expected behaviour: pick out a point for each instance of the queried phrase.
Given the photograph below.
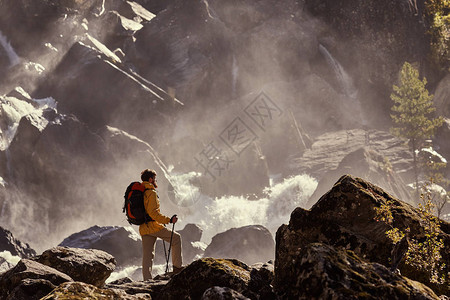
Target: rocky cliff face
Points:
(344, 218)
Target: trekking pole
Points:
(170, 247)
(165, 253)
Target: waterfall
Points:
(234, 75)
(343, 78)
(12, 55)
(346, 85)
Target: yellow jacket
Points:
(151, 203)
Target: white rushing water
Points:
(215, 215)
(9, 50)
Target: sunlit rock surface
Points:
(80, 290)
(122, 243)
(85, 265)
(344, 218)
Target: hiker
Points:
(154, 229)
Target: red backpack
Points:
(133, 206)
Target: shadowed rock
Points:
(13, 245)
(345, 218)
(222, 293)
(30, 275)
(250, 244)
(319, 271)
(202, 274)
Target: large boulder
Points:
(250, 244)
(30, 278)
(121, 242)
(205, 273)
(319, 271)
(86, 265)
(345, 217)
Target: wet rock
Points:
(368, 164)
(345, 218)
(249, 244)
(222, 293)
(86, 265)
(28, 275)
(121, 242)
(9, 243)
(319, 271)
(80, 290)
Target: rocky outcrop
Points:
(329, 149)
(205, 273)
(86, 265)
(121, 242)
(31, 279)
(9, 243)
(368, 164)
(250, 244)
(345, 218)
(319, 271)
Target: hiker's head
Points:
(149, 175)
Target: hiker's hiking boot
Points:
(177, 270)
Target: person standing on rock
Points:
(154, 229)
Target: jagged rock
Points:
(29, 275)
(319, 271)
(369, 165)
(345, 217)
(86, 265)
(13, 245)
(222, 293)
(202, 274)
(103, 105)
(250, 244)
(121, 242)
(80, 290)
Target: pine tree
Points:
(413, 112)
